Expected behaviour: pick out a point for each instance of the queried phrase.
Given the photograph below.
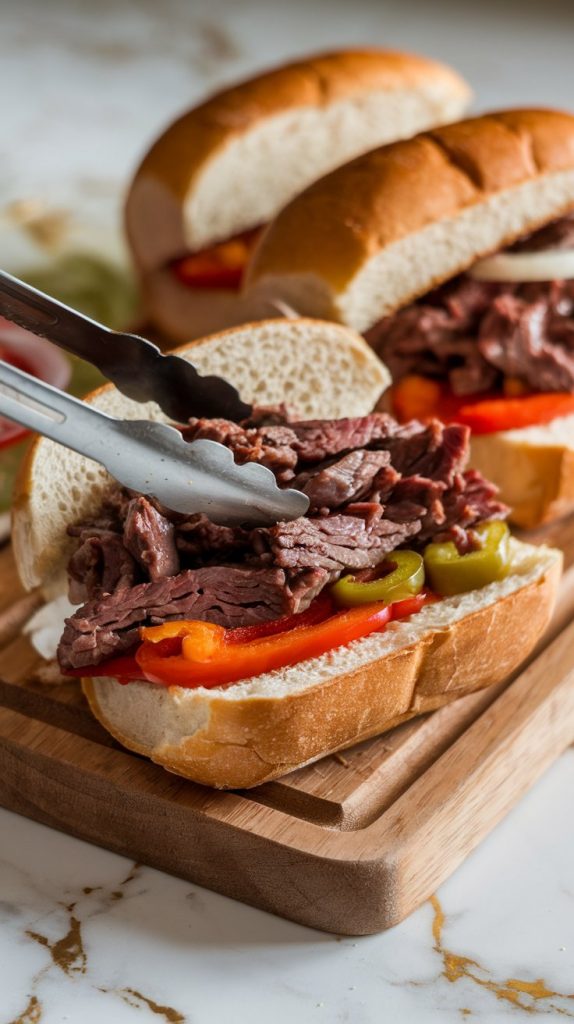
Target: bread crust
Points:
(180, 199)
(246, 742)
(179, 154)
(334, 229)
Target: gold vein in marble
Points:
(457, 966)
(134, 998)
(68, 953)
(32, 1014)
(132, 873)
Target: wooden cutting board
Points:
(351, 844)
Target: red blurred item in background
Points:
(33, 355)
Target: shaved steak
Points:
(475, 333)
(228, 596)
(373, 485)
(150, 539)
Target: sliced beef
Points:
(282, 446)
(316, 440)
(199, 539)
(315, 444)
(438, 340)
(471, 501)
(335, 543)
(272, 446)
(557, 295)
(100, 565)
(150, 539)
(446, 513)
(473, 333)
(96, 525)
(465, 302)
(305, 586)
(223, 431)
(349, 478)
(226, 595)
(374, 486)
(434, 451)
(420, 500)
(115, 505)
(563, 332)
(515, 338)
(430, 450)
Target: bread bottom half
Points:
(261, 728)
(533, 467)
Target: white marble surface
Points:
(83, 936)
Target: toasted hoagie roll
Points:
(290, 666)
(369, 244)
(222, 170)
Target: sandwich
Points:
(211, 181)
(453, 254)
(232, 656)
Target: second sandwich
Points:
(453, 253)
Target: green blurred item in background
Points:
(94, 286)
(102, 290)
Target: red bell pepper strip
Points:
(169, 640)
(419, 398)
(219, 660)
(226, 662)
(494, 414)
(124, 668)
(219, 266)
(320, 609)
(201, 271)
(411, 605)
(222, 656)
(416, 397)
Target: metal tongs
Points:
(136, 366)
(145, 456)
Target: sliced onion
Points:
(548, 265)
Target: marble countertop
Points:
(84, 934)
(87, 936)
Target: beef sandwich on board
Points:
(219, 173)
(453, 253)
(231, 655)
